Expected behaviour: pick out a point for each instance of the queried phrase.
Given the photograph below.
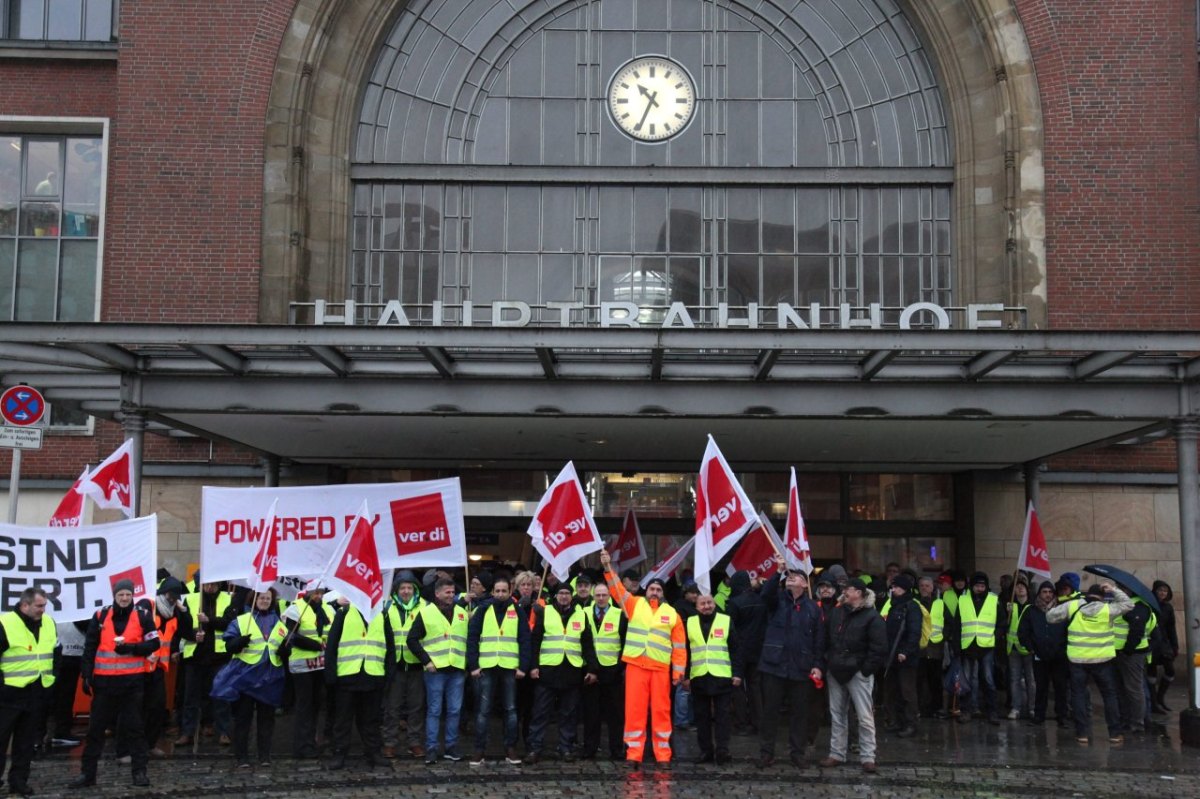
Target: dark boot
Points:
(339, 762)
(140, 779)
(84, 780)
(1160, 694)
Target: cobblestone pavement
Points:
(974, 760)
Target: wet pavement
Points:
(944, 759)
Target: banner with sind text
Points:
(417, 525)
(78, 566)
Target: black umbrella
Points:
(1127, 581)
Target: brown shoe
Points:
(225, 740)
(869, 767)
(830, 762)
(416, 750)
(389, 752)
(183, 740)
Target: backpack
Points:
(926, 625)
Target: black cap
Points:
(979, 577)
(657, 581)
(564, 587)
(631, 574)
(857, 583)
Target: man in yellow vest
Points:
(498, 654)
(358, 657)
(561, 646)
(406, 686)
(655, 657)
(1091, 651)
(929, 669)
(438, 638)
(304, 628)
(978, 622)
(603, 697)
(1131, 637)
(28, 651)
(714, 670)
(204, 618)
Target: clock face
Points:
(652, 98)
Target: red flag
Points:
(1034, 557)
(755, 555)
(265, 568)
(629, 549)
(723, 513)
(69, 512)
(795, 534)
(668, 564)
(562, 529)
(110, 485)
(355, 566)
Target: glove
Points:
(87, 687)
(123, 649)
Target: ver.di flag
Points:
(755, 555)
(354, 570)
(562, 529)
(723, 513)
(670, 561)
(795, 535)
(264, 570)
(629, 549)
(110, 485)
(1034, 557)
(69, 512)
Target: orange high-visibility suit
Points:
(655, 657)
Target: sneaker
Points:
(125, 760)
(452, 756)
(1014, 714)
(243, 764)
(183, 740)
(431, 758)
(1116, 740)
(568, 757)
(1082, 740)
(156, 752)
(512, 758)
(68, 741)
(477, 759)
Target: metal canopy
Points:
(449, 395)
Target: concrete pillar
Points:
(1187, 433)
(134, 425)
(270, 465)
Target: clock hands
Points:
(651, 102)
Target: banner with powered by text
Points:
(417, 525)
(78, 566)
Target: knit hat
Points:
(123, 585)
(486, 579)
(169, 586)
(405, 576)
(582, 579)
(902, 581)
(836, 572)
(1071, 578)
(657, 581)
(825, 578)
(631, 574)
(857, 583)
(979, 577)
(564, 587)
(1044, 584)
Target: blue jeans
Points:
(683, 707)
(443, 688)
(981, 674)
(490, 683)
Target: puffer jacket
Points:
(856, 640)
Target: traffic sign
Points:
(20, 437)
(22, 406)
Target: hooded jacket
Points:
(904, 630)
(857, 640)
(1166, 622)
(748, 613)
(1045, 640)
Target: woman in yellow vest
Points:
(253, 680)
(28, 648)
(358, 659)
(714, 670)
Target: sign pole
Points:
(14, 486)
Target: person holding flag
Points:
(304, 630)
(359, 658)
(655, 657)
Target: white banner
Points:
(417, 525)
(77, 566)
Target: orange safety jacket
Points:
(108, 662)
(166, 634)
(628, 603)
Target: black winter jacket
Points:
(857, 641)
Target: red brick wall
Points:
(1118, 81)
(46, 87)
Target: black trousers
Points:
(1045, 674)
(604, 703)
(929, 685)
(710, 708)
(20, 725)
(154, 709)
(747, 701)
(364, 710)
(310, 691)
(546, 695)
(66, 680)
(901, 693)
(247, 711)
(776, 692)
(119, 709)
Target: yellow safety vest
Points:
(559, 641)
(189, 647)
(937, 616)
(498, 647)
(299, 659)
(606, 638)
(711, 656)
(950, 599)
(362, 647)
(1089, 638)
(400, 628)
(1014, 623)
(982, 628)
(28, 658)
(445, 642)
(259, 645)
(649, 631)
(1121, 629)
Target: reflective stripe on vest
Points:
(607, 637)
(28, 658)
(711, 656)
(1014, 623)
(649, 631)
(445, 642)
(937, 618)
(1121, 629)
(498, 647)
(166, 634)
(189, 647)
(1089, 638)
(258, 646)
(558, 641)
(362, 647)
(400, 628)
(982, 628)
(108, 662)
(307, 627)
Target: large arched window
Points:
(487, 163)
